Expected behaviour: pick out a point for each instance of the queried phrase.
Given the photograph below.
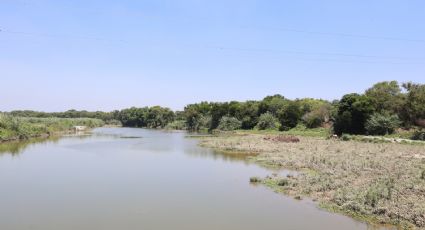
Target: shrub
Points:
(346, 137)
(204, 122)
(254, 179)
(176, 125)
(419, 135)
(379, 190)
(317, 117)
(353, 112)
(423, 175)
(9, 122)
(24, 127)
(312, 120)
(229, 124)
(289, 116)
(267, 121)
(382, 124)
(283, 182)
(113, 122)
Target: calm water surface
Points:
(162, 180)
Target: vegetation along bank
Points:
(374, 182)
(387, 108)
(18, 128)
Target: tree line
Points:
(105, 116)
(380, 110)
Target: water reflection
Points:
(219, 155)
(15, 148)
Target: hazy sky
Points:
(105, 55)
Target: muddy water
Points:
(121, 178)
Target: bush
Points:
(229, 124)
(419, 135)
(382, 124)
(204, 122)
(283, 182)
(12, 127)
(312, 120)
(267, 121)
(317, 117)
(254, 179)
(113, 122)
(289, 116)
(379, 190)
(176, 125)
(353, 112)
(346, 137)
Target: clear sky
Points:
(105, 55)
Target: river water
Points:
(128, 179)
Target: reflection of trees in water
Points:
(17, 147)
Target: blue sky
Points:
(105, 55)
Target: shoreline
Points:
(38, 136)
(50, 135)
(377, 183)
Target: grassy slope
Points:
(376, 182)
(12, 128)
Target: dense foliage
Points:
(355, 112)
(380, 110)
(382, 124)
(105, 116)
(153, 117)
(419, 135)
(268, 122)
(229, 124)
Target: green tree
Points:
(272, 104)
(133, 117)
(415, 103)
(353, 112)
(289, 116)
(318, 116)
(192, 117)
(268, 121)
(158, 117)
(386, 97)
(382, 124)
(229, 123)
(218, 110)
(310, 104)
(248, 114)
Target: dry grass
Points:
(282, 138)
(380, 182)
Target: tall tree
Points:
(386, 96)
(415, 103)
(353, 112)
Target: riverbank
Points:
(22, 128)
(374, 182)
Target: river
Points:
(124, 178)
